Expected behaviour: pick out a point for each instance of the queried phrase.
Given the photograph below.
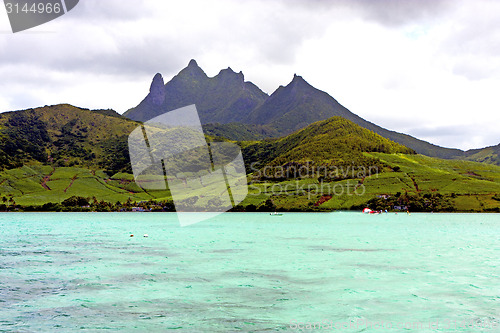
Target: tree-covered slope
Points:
(64, 135)
(489, 155)
(53, 155)
(335, 141)
(240, 132)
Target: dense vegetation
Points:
(240, 132)
(63, 135)
(489, 155)
(415, 182)
(336, 142)
(67, 158)
(23, 137)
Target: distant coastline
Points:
(80, 204)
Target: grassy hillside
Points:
(40, 184)
(57, 153)
(335, 141)
(412, 180)
(64, 135)
(486, 155)
(419, 182)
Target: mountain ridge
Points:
(226, 98)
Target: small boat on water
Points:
(276, 214)
(369, 211)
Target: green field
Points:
(469, 186)
(37, 185)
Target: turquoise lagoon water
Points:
(249, 272)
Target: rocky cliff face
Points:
(224, 98)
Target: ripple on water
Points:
(256, 276)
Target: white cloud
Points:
(419, 66)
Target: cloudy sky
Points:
(429, 68)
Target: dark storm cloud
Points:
(394, 13)
(91, 39)
(129, 56)
(391, 13)
(123, 43)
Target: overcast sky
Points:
(429, 68)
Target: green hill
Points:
(64, 135)
(57, 156)
(487, 155)
(335, 141)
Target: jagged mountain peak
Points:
(298, 78)
(223, 98)
(297, 86)
(192, 70)
(299, 81)
(228, 73)
(157, 90)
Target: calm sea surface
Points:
(242, 272)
